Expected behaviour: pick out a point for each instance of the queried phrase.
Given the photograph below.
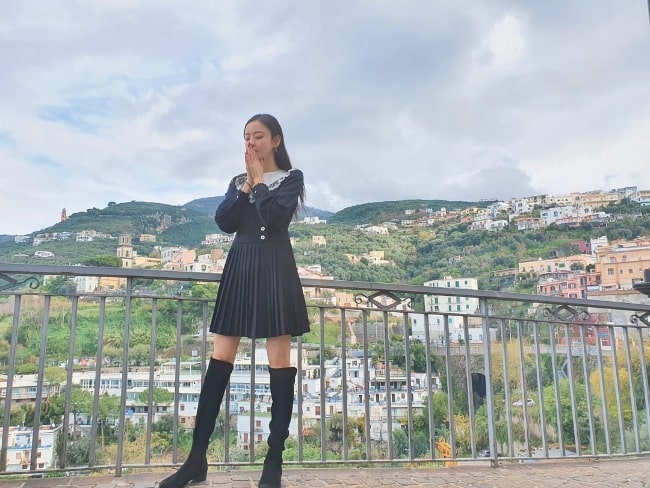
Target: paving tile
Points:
(627, 473)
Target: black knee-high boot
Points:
(195, 468)
(282, 383)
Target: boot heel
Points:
(199, 479)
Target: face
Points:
(257, 136)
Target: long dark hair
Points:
(281, 154)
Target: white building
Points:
(454, 308)
(555, 214)
(19, 447)
(261, 428)
(212, 239)
(641, 197)
(167, 254)
(86, 284)
(594, 244)
(376, 229)
(24, 389)
(313, 220)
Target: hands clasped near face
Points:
(254, 168)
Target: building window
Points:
(610, 271)
(630, 271)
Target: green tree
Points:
(78, 450)
(60, 285)
(103, 261)
(54, 375)
(160, 396)
(81, 402)
(438, 402)
(567, 413)
(335, 428)
(109, 409)
(418, 357)
(400, 444)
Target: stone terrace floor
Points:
(628, 472)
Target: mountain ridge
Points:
(140, 217)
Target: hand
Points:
(254, 169)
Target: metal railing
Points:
(114, 375)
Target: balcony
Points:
(581, 362)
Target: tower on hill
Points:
(64, 215)
(125, 250)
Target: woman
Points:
(260, 295)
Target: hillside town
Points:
(597, 266)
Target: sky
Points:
(119, 100)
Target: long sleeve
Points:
(228, 214)
(276, 208)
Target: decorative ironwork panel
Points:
(565, 313)
(645, 318)
(10, 282)
(383, 300)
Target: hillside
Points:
(377, 212)
(416, 254)
(173, 224)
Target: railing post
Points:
(9, 387)
(68, 382)
(39, 387)
(450, 387)
(99, 357)
(487, 364)
(125, 375)
(344, 379)
(321, 376)
(432, 431)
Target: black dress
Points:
(260, 294)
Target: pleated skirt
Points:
(260, 294)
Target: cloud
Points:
(146, 100)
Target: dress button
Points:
(262, 228)
(262, 237)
